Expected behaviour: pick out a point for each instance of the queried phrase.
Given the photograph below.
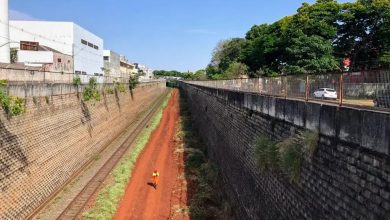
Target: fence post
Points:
(285, 86)
(307, 88)
(341, 85)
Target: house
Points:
(65, 37)
(127, 68)
(34, 54)
(145, 72)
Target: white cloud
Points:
(17, 15)
(200, 31)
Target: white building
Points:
(147, 73)
(112, 64)
(65, 37)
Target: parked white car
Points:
(325, 93)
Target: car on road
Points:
(325, 93)
(383, 100)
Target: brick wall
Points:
(42, 148)
(348, 178)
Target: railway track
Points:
(75, 208)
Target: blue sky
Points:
(171, 34)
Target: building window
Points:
(59, 60)
(77, 72)
(96, 47)
(28, 45)
(106, 58)
(90, 44)
(84, 42)
(83, 73)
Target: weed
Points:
(12, 105)
(91, 91)
(47, 99)
(290, 158)
(35, 100)
(120, 87)
(267, 154)
(109, 90)
(195, 160)
(201, 174)
(77, 81)
(310, 141)
(3, 82)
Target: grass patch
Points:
(286, 155)
(108, 198)
(310, 141)
(267, 154)
(290, 158)
(207, 200)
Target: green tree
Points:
(236, 70)
(310, 55)
(364, 33)
(200, 75)
(227, 52)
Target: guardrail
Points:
(368, 89)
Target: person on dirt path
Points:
(155, 176)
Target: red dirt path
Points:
(141, 201)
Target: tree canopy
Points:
(314, 40)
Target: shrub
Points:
(266, 153)
(109, 90)
(120, 87)
(133, 82)
(10, 104)
(76, 81)
(17, 106)
(47, 99)
(290, 158)
(310, 141)
(91, 91)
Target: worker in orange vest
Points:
(155, 177)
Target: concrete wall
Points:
(348, 177)
(42, 148)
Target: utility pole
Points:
(5, 56)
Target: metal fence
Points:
(364, 89)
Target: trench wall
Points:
(41, 149)
(348, 177)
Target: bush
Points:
(120, 87)
(91, 91)
(10, 104)
(133, 82)
(310, 141)
(76, 81)
(290, 158)
(266, 153)
(109, 90)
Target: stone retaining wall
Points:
(348, 177)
